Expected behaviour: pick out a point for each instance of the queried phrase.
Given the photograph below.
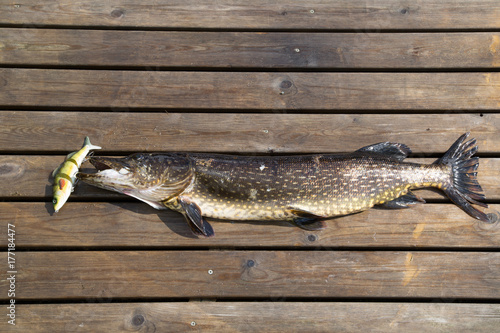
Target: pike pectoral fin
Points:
(307, 220)
(398, 151)
(403, 202)
(195, 220)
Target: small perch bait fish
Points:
(304, 190)
(65, 175)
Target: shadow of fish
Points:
(304, 189)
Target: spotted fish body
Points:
(65, 175)
(304, 189)
(275, 188)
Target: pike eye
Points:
(54, 201)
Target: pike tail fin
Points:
(86, 142)
(464, 189)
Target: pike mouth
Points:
(108, 170)
(100, 165)
(116, 174)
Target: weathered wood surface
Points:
(118, 225)
(170, 49)
(108, 275)
(29, 176)
(120, 132)
(255, 77)
(261, 14)
(259, 317)
(249, 90)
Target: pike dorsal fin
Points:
(398, 151)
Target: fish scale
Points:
(261, 188)
(304, 189)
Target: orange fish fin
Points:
(62, 183)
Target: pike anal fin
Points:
(402, 202)
(194, 218)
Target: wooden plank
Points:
(104, 225)
(29, 176)
(259, 317)
(250, 90)
(86, 275)
(63, 132)
(165, 49)
(260, 14)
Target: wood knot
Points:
(117, 13)
(138, 320)
(11, 169)
(286, 84)
(492, 217)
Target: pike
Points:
(65, 175)
(304, 190)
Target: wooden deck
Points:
(253, 77)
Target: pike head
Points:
(152, 178)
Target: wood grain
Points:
(62, 132)
(171, 49)
(135, 224)
(260, 14)
(29, 176)
(109, 275)
(121, 90)
(257, 77)
(259, 317)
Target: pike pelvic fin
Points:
(195, 220)
(464, 189)
(398, 151)
(403, 201)
(307, 220)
